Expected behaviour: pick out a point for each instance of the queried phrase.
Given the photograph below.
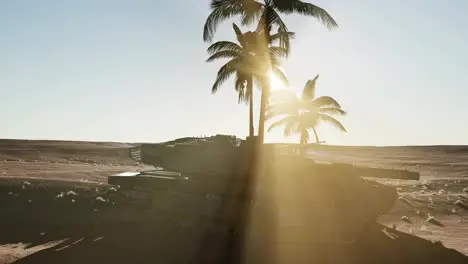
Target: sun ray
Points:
(275, 82)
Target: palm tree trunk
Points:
(263, 105)
(316, 135)
(303, 142)
(251, 117)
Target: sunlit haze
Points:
(135, 71)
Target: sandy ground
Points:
(47, 187)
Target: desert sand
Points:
(56, 207)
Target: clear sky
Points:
(134, 71)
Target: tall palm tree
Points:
(299, 115)
(244, 64)
(266, 13)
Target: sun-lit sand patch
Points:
(454, 234)
(434, 210)
(13, 252)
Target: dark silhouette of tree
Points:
(244, 64)
(266, 14)
(267, 11)
(299, 115)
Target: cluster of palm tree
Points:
(256, 57)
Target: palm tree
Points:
(299, 115)
(267, 11)
(267, 15)
(244, 64)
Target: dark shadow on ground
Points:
(164, 242)
(173, 237)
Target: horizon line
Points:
(284, 143)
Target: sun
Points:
(276, 82)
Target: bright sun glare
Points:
(276, 82)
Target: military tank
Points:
(299, 198)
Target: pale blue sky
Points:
(134, 71)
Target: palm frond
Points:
(226, 71)
(223, 3)
(222, 10)
(283, 121)
(308, 119)
(223, 54)
(252, 11)
(239, 34)
(269, 18)
(222, 46)
(280, 75)
(275, 110)
(239, 85)
(309, 9)
(289, 128)
(261, 82)
(277, 36)
(332, 121)
(308, 93)
(278, 51)
(332, 111)
(326, 101)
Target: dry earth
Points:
(48, 186)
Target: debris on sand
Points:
(29, 201)
(73, 200)
(113, 189)
(406, 219)
(95, 210)
(97, 239)
(403, 200)
(43, 233)
(460, 204)
(59, 196)
(99, 198)
(72, 193)
(431, 219)
(26, 183)
(10, 193)
(465, 190)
